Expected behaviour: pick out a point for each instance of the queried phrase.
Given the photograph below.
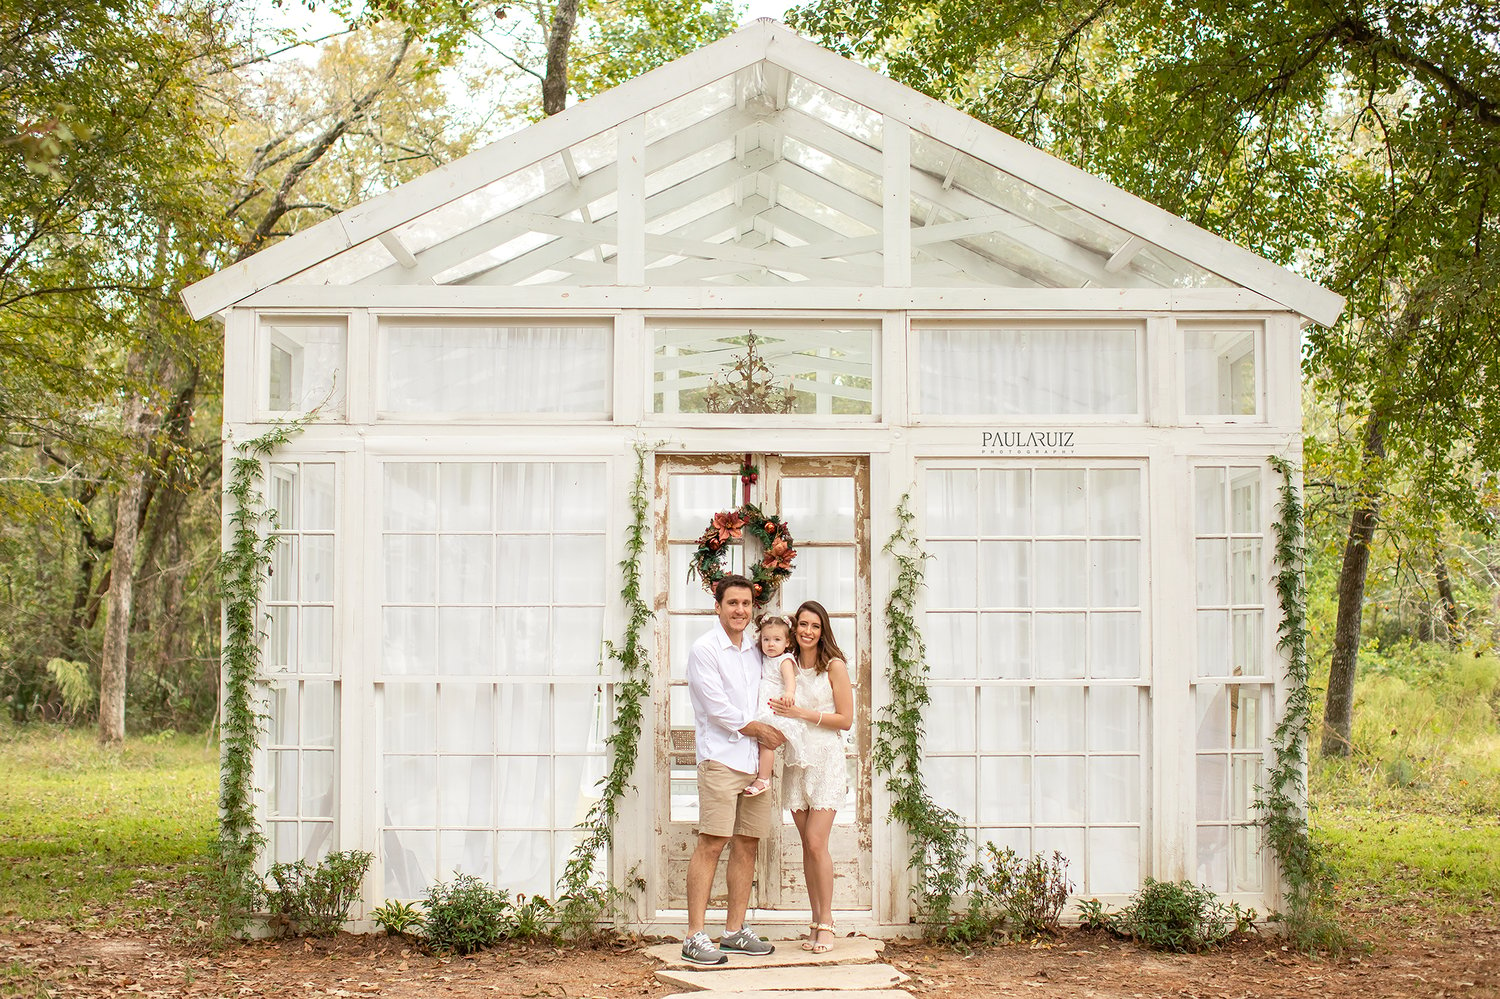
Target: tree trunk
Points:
(1445, 596)
(122, 575)
(555, 83)
(1338, 712)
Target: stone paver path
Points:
(849, 971)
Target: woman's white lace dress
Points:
(818, 780)
(794, 750)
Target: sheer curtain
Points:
(493, 717)
(495, 369)
(1017, 372)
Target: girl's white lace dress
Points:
(818, 779)
(794, 750)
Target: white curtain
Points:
(1018, 372)
(495, 369)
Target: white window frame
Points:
(1257, 329)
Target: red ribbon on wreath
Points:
(778, 550)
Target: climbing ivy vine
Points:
(580, 898)
(1306, 872)
(242, 573)
(939, 851)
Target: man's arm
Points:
(706, 685)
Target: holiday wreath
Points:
(777, 552)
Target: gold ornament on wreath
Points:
(728, 526)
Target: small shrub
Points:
(465, 915)
(533, 918)
(589, 914)
(314, 901)
(1171, 915)
(1005, 894)
(397, 919)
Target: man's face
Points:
(735, 609)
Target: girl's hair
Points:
(775, 621)
(828, 649)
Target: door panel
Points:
(825, 503)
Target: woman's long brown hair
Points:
(828, 649)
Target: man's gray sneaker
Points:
(744, 941)
(699, 949)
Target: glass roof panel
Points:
(847, 116)
(493, 257)
(817, 211)
(1050, 239)
(347, 266)
(493, 199)
(691, 107)
(845, 175)
(595, 152)
(689, 166)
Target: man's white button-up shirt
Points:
(723, 680)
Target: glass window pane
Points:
(281, 639)
(525, 795)
(1059, 789)
(316, 655)
(306, 369)
(410, 568)
(575, 718)
(523, 569)
(1244, 571)
(1213, 572)
(318, 511)
(466, 569)
(1005, 574)
(468, 716)
(1213, 716)
(1005, 502)
(951, 573)
(1213, 858)
(1116, 574)
(1114, 789)
(523, 640)
(1114, 501)
(1213, 787)
(282, 723)
(409, 641)
(823, 574)
(761, 367)
(467, 498)
(952, 648)
(1060, 645)
(577, 788)
(1244, 500)
(466, 646)
(1005, 646)
(1248, 858)
(578, 643)
(950, 781)
(1115, 646)
(410, 791)
(1208, 500)
(952, 507)
(525, 861)
(1219, 368)
(1061, 501)
(481, 369)
(1246, 656)
(523, 497)
(281, 790)
(410, 496)
(1213, 643)
(466, 789)
(1114, 860)
(1249, 716)
(1060, 719)
(578, 571)
(1012, 372)
(1004, 789)
(692, 501)
(318, 713)
(955, 705)
(818, 509)
(317, 783)
(524, 711)
(410, 859)
(410, 718)
(1005, 719)
(576, 489)
(467, 851)
(1062, 574)
(1114, 719)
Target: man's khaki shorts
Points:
(723, 809)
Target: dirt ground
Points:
(1410, 954)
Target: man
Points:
(723, 674)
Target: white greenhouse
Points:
(1078, 391)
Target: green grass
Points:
(91, 837)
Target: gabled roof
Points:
(761, 159)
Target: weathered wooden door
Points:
(825, 502)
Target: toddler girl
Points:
(778, 678)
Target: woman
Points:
(825, 700)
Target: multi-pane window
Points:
(301, 771)
(807, 368)
(1221, 372)
(1004, 371)
(1035, 630)
(488, 369)
(1232, 691)
(492, 714)
(302, 366)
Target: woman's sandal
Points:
(812, 943)
(758, 786)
